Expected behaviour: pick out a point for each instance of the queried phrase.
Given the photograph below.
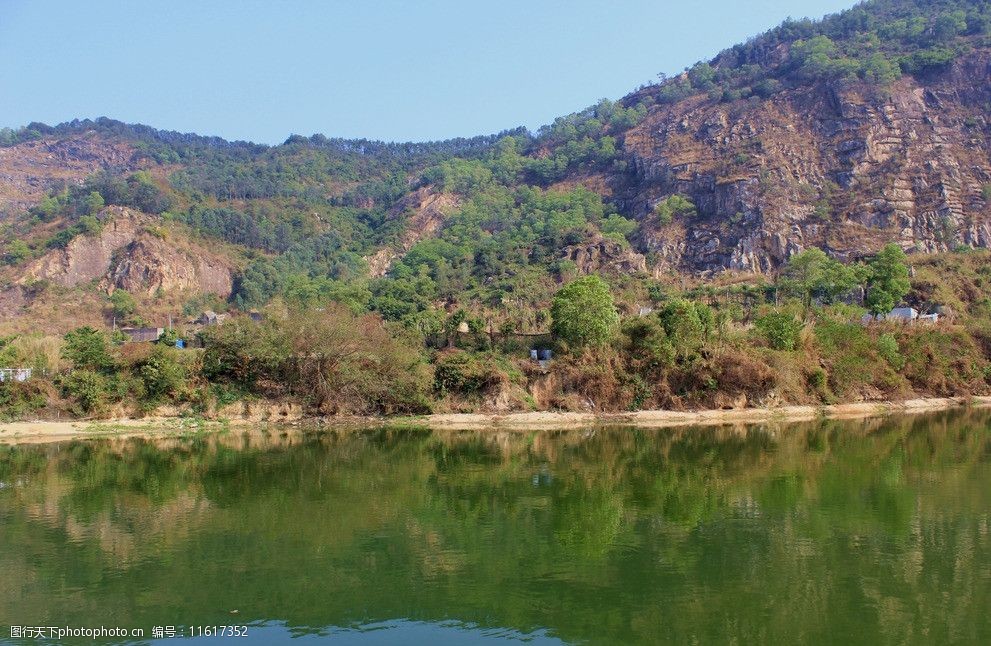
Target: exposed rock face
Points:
(843, 168)
(603, 255)
(149, 264)
(86, 258)
(424, 211)
(13, 298)
(30, 169)
(125, 255)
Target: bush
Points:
(161, 375)
(16, 252)
(850, 354)
(87, 348)
(887, 347)
(89, 388)
(674, 205)
(687, 324)
(21, 399)
(942, 362)
(779, 329)
(40, 353)
(332, 359)
(583, 313)
(646, 345)
(122, 304)
(465, 373)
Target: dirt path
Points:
(55, 431)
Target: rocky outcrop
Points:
(30, 169)
(149, 264)
(422, 211)
(844, 168)
(604, 255)
(126, 254)
(86, 258)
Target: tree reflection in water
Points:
(855, 532)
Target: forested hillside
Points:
(845, 134)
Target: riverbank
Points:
(34, 432)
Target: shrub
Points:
(122, 303)
(40, 353)
(161, 375)
(673, 205)
(646, 345)
(332, 359)
(465, 373)
(20, 399)
(687, 324)
(849, 352)
(89, 388)
(618, 227)
(583, 313)
(942, 362)
(87, 348)
(16, 252)
(779, 329)
(887, 347)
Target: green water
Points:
(874, 532)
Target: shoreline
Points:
(40, 432)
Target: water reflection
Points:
(854, 532)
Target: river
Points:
(870, 531)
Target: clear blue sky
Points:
(382, 69)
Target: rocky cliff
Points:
(30, 169)
(127, 253)
(843, 167)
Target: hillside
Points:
(863, 128)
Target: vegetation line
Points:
(37, 432)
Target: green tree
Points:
(87, 348)
(93, 203)
(687, 324)
(887, 346)
(888, 283)
(812, 274)
(122, 303)
(950, 25)
(702, 76)
(48, 208)
(646, 343)
(583, 312)
(881, 70)
(779, 329)
(673, 205)
(161, 375)
(89, 388)
(618, 227)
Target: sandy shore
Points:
(55, 431)
(661, 418)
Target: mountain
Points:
(866, 127)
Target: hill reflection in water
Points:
(854, 532)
